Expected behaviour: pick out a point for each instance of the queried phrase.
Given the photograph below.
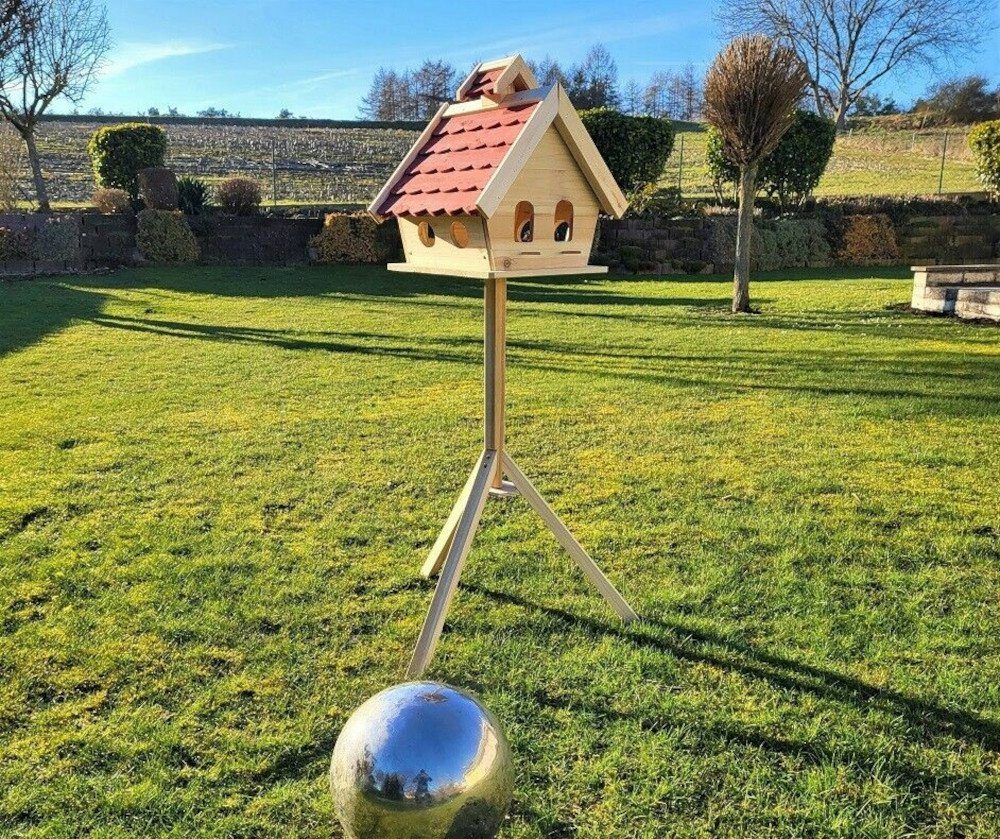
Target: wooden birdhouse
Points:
(503, 182)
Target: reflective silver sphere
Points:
(421, 761)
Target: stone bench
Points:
(965, 291)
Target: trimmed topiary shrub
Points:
(239, 196)
(356, 238)
(635, 148)
(868, 240)
(984, 140)
(792, 171)
(158, 185)
(192, 196)
(119, 152)
(164, 236)
(112, 200)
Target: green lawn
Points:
(217, 488)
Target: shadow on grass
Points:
(31, 310)
(34, 309)
(954, 383)
(698, 646)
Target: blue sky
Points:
(316, 57)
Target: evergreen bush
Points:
(165, 236)
(635, 148)
(356, 238)
(791, 172)
(119, 152)
(984, 140)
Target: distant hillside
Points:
(248, 122)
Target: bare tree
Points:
(594, 82)
(751, 92)
(55, 52)
(433, 85)
(15, 15)
(849, 45)
(547, 71)
(632, 100)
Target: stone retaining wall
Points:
(73, 242)
(685, 245)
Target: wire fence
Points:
(294, 165)
(342, 166)
(926, 162)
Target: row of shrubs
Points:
(160, 189)
(128, 162)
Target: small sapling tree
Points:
(751, 92)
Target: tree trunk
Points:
(744, 232)
(41, 191)
(843, 106)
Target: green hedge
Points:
(792, 171)
(119, 152)
(984, 140)
(635, 148)
(784, 243)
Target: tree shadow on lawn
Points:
(953, 383)
(373, 282)
(35, 308)
(30, 310)
(698, 646)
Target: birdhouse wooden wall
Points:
(551, 195)
(445, 244)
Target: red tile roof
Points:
(482, 83)
(456, 162)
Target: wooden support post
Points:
(439, 552)
(566, 539)
(486, 468)
(495, 343)
(449, 552)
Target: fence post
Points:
(944, 151)
(274, 173)
(680, 170)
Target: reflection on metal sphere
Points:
(421, 761)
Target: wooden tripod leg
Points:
(461, 542)
(439, 552)
(565, 538)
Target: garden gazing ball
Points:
(421, 761)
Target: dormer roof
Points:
(468, 156)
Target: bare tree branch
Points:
(849, 45)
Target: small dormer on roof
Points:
(497, 79)
(514, 166)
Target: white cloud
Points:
(132, 54)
